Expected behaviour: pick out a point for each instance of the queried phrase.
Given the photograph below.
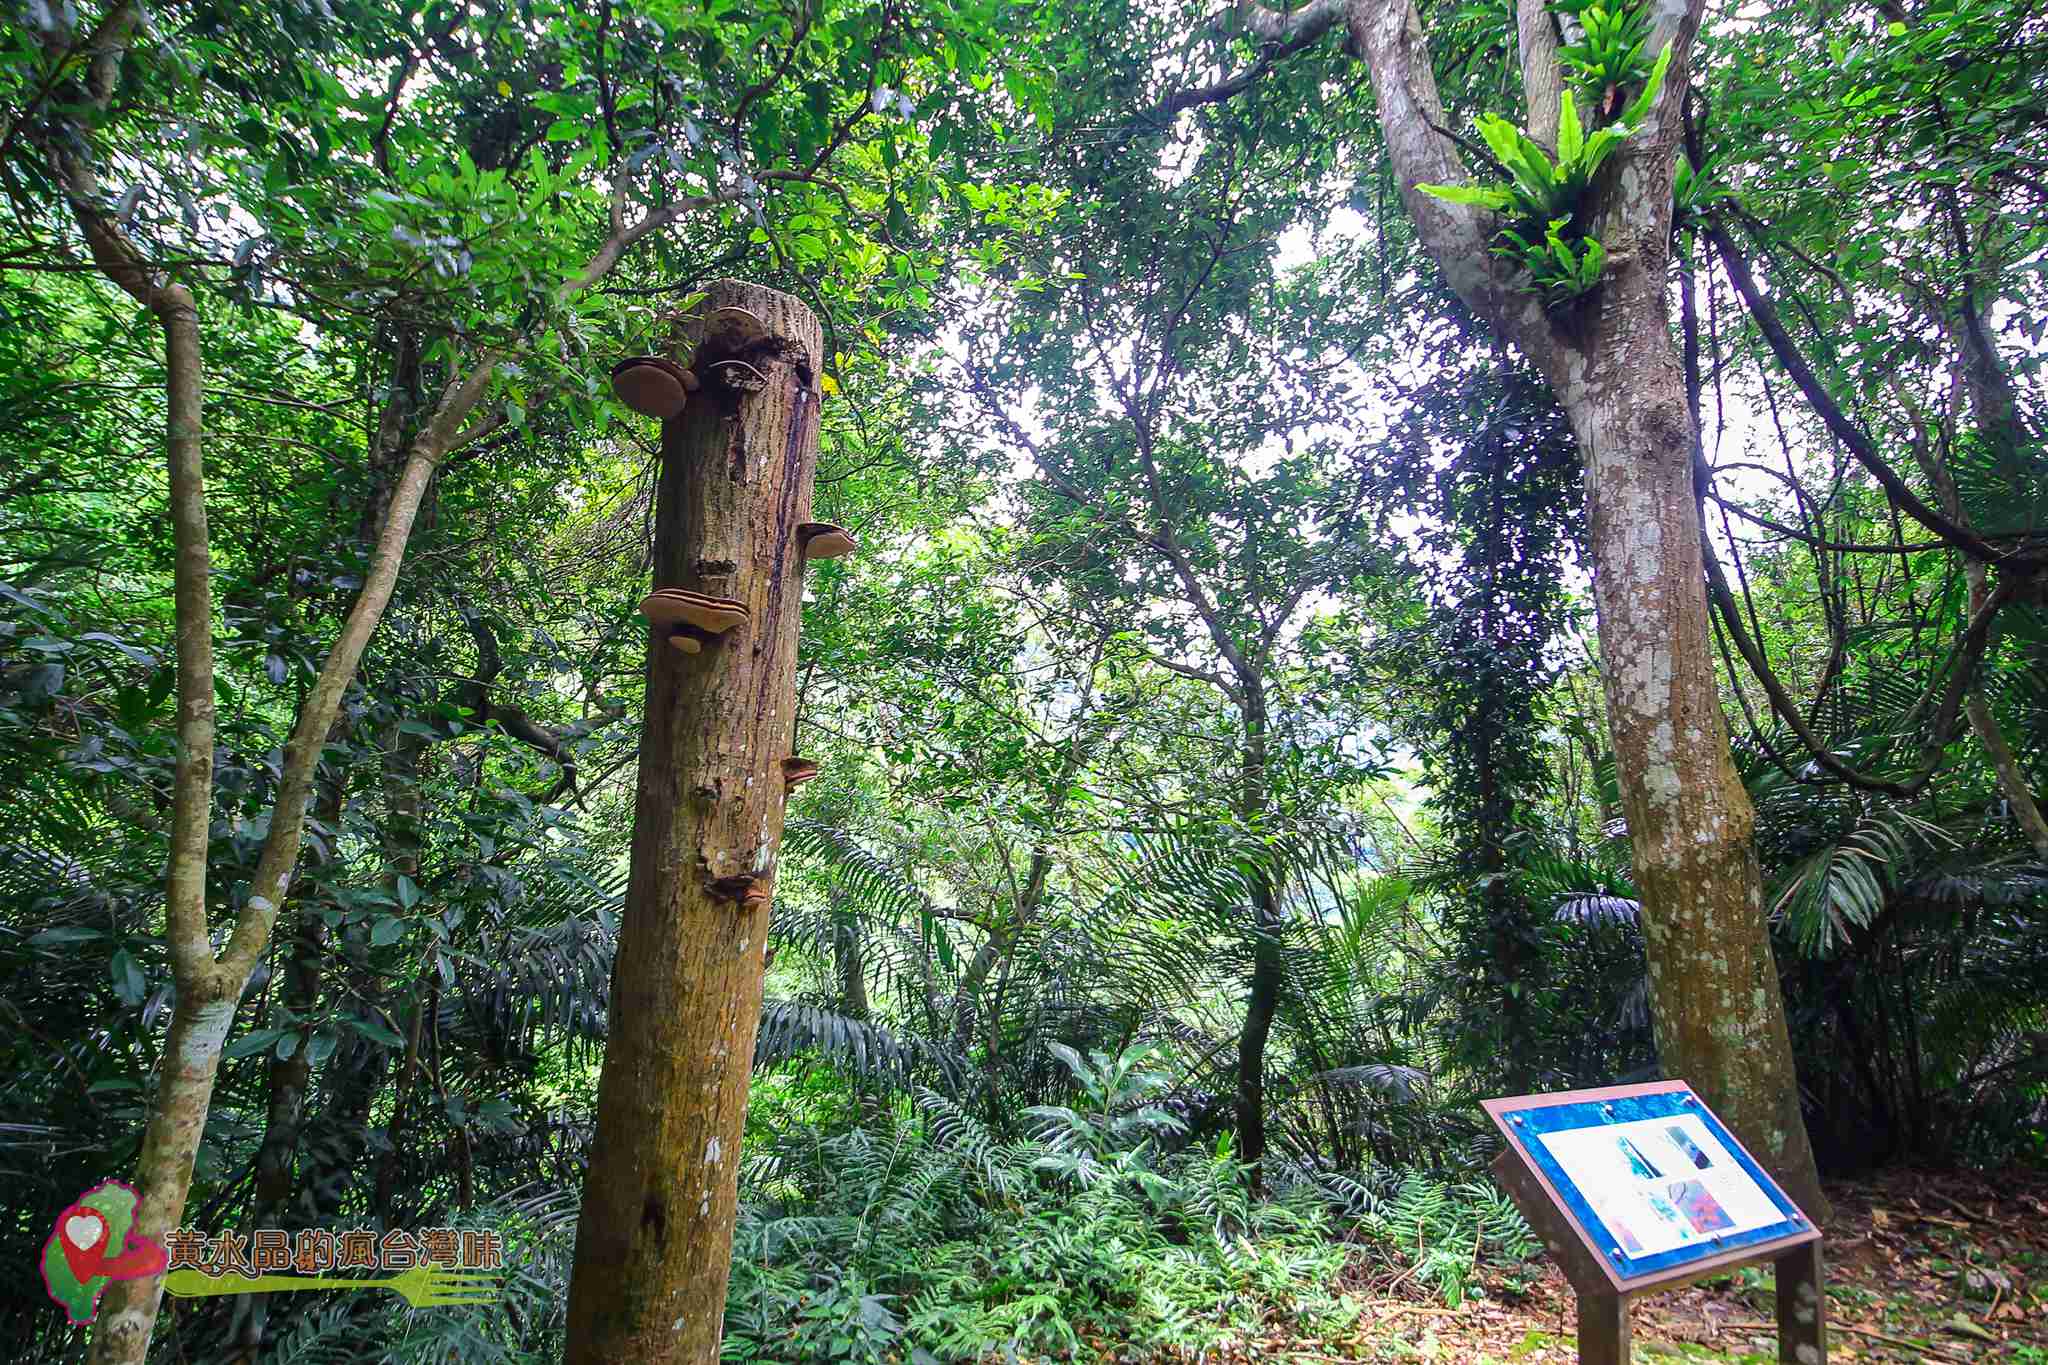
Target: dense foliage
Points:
(1216, 793)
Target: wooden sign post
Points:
(1639, 1188)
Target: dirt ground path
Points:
(1943, 1268)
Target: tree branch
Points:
(1311, 21)
(1543, 86)
(1858, 441)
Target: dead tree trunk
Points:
(654, 1246)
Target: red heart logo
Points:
(82, 1236)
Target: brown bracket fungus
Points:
(735, 328)
(739, 375)
(693, 619)
(797, 771)
(652, 386)
(823, 540)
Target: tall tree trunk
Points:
(404, 804)
(1262, 1001)
(1719, 1011)
(1610, 359)
(654, 1243)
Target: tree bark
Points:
(1720, 1014)
(1717, 1005)
(654, 1243)
(1262, 1001)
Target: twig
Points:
(1924, 1348)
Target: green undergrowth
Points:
(926, 1240)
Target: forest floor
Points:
(1920, 1267)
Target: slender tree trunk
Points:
(1262, 1001)
(404, 756)
(1261, 1005)
(654, 1243)
(853, 970)
(209, 986)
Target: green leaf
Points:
(1640, 110)
(1478, 195)
(387, 930)
(253, 1042)
(64, 933)
(1570, 139)
(1500, 136)
(376, 1031)
(129, 983)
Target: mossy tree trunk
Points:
(654, 1245)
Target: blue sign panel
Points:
(1651, 1176)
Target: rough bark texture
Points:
(1542, 75)
(654, 1245)
(1719, 1013)
(1611, 361)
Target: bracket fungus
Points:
(735, 329)
(738, 374)
(652, 386)
(691, 618)
(823, 540)
(797, 771)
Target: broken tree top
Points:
(735, 343)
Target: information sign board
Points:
(1636, 1188)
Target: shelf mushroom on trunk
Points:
(653, 386)
(733, 328)
(823, 540)
(693, 620)
(797, 771)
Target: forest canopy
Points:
(1394, 553)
